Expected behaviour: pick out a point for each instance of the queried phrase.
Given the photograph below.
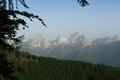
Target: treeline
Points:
(39, 68)
(30, 67)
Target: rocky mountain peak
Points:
(39, 41)
(62, 39)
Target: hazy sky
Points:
(101, 18)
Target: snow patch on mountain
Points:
(39, 41)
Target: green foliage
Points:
(30, 67)
(39, 68)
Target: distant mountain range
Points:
(76, 47)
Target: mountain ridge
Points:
(78, 47)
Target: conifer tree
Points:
(10, 22)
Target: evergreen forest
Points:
(29, 67)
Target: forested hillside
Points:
(30, 67)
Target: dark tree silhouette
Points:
(10, 22)
(9, 25)
(83, 2)
(7, 68)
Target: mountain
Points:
(62, 40)
(106, 40)
(38, 43)
(77, 38)
(77, 47)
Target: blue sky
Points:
(100, 18)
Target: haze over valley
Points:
(104, 50)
